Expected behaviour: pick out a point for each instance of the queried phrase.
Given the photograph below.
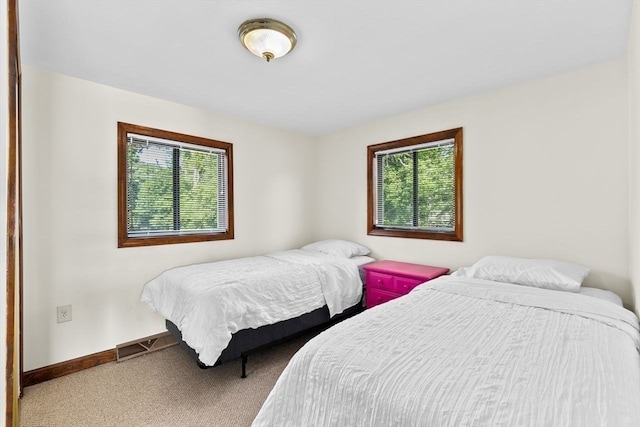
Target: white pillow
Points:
(361, 260)
(341, 248)
(539, 273)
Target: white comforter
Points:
(467, 352)
(209, 302)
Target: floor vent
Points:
(143, 346)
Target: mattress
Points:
(210, 302)
(462, 351)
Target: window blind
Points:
(174, 188)
(415, 188)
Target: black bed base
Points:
(249, 340)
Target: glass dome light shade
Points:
(267, 38)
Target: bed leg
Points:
(244, 365)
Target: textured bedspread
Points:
(209, 302)
(467, 352)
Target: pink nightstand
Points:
(386, 280)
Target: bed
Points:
(223, 310)
(496, 344)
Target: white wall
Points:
(545, 175)
(633, 63)
(70, 216)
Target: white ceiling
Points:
(355, 61)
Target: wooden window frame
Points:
(374, 230)
(124, 240)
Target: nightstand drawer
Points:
(380, 281)
(403, 285)
(376, 297)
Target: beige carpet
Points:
(164, 388)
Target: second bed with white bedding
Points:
(210, 302)
(464, 351)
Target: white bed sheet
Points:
(602, 294)
(467, 352)
(209, 302)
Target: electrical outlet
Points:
(64, 313)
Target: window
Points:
(415, 187)
(172, 188)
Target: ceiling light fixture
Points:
(267, 38)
